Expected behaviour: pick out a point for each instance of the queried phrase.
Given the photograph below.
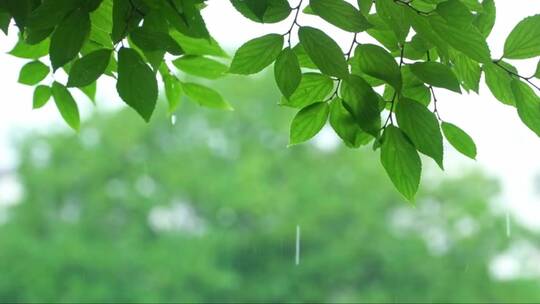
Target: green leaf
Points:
(308, 122)
(256, 54)
(257, 7)
(460, 140)
(467, 70)
(50, 13)
(345, 126)
(423, 28)
(68, 38)
(527, 104)
(537, 72)
(377, 62)
(42, 94)
(422, 127)
(365, 6)
(324, 52)
(201, 66)
(124, 19)
(136, 84)
(28, 51)
(467, 40)
(90, 91)
(303, 58)
(498, 81)
(205, 96)
(395, 17)
(287, 72)
(455, 13)
(198, 46)
(523, 42)
(314, 87)
(362, 102)
(401, 162)
(173, 91)
(277, 10)
(66, 105)
(153, 40)
(341, 14)
(485, 19)
(89, 68)
(436, 74)
(33, 72)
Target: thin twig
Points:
(527, 79)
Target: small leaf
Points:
(324, 52)
(422, 127)
(314, 87)
(436, 74)
(308, 122)
(66, 105)
(377, 62)
(256, 54)
(68, 38)
(523, 42)
(277, 10)
(460, 140)
(173, 91)
(88, 68)
(200, 66)
(287, 72)
(42, 94)
(205, 96)
(136, 84)
(527, 104)
(257, 7)
(341, 14)
(33, 72)
(401, 162)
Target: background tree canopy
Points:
(208, 215)
(380, 91)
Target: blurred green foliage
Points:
(206, 210)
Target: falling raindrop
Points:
(508, 228)
(297, 256)
(173, 119)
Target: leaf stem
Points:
(295, 22)
(527, 79)
(389, 119)
(432, 90)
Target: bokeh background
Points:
(206, 209)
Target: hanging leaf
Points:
(401, 162)
(460, 140)
(66, 105)
(42, 94)
(88, 68)
(527, 104)
(498, 81)
(345, 126)
(324, 52)
(362, 102)
(173, 91)
(68, 38)
(201, 66)
(308, 122)
(205, 96)
(377, 62)
(287, 72)
(422, 127)
(436, 74)
(313, 87)
(256, 54)
(132, 72)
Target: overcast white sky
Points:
(507, 149)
